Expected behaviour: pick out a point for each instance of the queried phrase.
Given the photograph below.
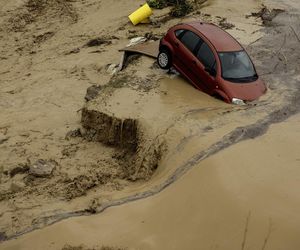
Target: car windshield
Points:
(237, 67)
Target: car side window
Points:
(206, 56)
(190, 40)
(178, 33)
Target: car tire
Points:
(164, 59)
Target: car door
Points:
(204, 67)
(185, 46)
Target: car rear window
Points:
(206, 56)
(190, 40)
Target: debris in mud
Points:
(266, 14)
(225, 25)
(82, 247)
(159, 4)
(42, 168)
(180, 8)
(151, 36)
(136, 40)
(73, 133)
(97, 42)
(20, 169)
(112, 68)
(43, 37)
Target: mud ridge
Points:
(139, 158)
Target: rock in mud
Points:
(42, 168)
(92, 92)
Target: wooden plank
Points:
(148, 48)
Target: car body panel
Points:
(244, 91)
(221, 40)
(186, 62)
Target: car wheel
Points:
(164, 59)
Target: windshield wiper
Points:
(243, 79)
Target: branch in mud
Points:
(295, 33)
(180, 8)
(266, 14)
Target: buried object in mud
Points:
(140, 15)
(42, 168)
(224, 67)
(144, 48)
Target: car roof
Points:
(220, 39)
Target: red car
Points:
(212, 60)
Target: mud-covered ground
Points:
(61, 156)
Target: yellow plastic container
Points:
(140, 14)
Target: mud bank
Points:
(110, 130)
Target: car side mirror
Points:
(211, 71)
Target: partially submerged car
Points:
(212, 60)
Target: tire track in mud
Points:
(239, 134)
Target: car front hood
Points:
(245, 91)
